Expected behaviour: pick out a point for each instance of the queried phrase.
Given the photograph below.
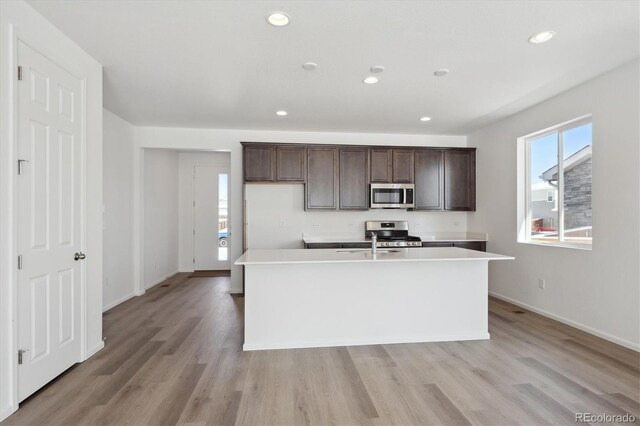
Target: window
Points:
(557, 172)
(551, 196)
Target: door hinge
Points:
(19, 73)
(20, 262)
(20, 165)
(194, 260)
(20, 352)
(194, 204)
(194, 232)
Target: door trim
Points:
(19, 22)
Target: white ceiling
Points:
(218, 64)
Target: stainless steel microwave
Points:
(392, 196)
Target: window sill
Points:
(584, 247)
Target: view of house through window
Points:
(559, 164)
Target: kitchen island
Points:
(299, 298)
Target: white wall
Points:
(229, 140)
(187, 161)
(276, 218)
(118, 212)
(598, 290)
(160, 215)
(18, 21)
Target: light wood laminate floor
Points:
(173, 356)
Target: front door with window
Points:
(211, 218)
(49, 217)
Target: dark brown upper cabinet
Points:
(381, 165)
(460, 179)
(259, 163)
(321, 190)
(391, 165)
(290, 163)
(402, 165)
(338, 177)
(429, 176)
(354, 178)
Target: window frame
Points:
(524, 183)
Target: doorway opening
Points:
(185, 213)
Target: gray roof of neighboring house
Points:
(570, 162)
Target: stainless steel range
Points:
(390, 233)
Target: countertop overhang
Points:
(424, 254)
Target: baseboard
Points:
(97, 348)
(297, 344)
(117, 302)
(155, 283)
(567, 321)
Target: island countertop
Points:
(425, 254)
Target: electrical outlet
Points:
(282, 224)
(541, 283)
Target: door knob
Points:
(79, 256)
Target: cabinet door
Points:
(354, 179)
(321, 190)
(381, 165)
(402, 166)
(460, 180)
(429, 175)
(259, 163)
(290, 163)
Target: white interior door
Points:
(49, 217)
(211, 218)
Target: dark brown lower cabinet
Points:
(322, 245)
(321, 189)
(354, 179)
(471, 245)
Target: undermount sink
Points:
(368, 251)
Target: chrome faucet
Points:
(374, 242)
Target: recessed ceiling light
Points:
(541, 37)
(281, 113)
(278, 19)
(425, 118)
(376, 69)
(441, 72)
(309, 66)
(371, 80)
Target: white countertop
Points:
(424, 254)
(424, 236)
